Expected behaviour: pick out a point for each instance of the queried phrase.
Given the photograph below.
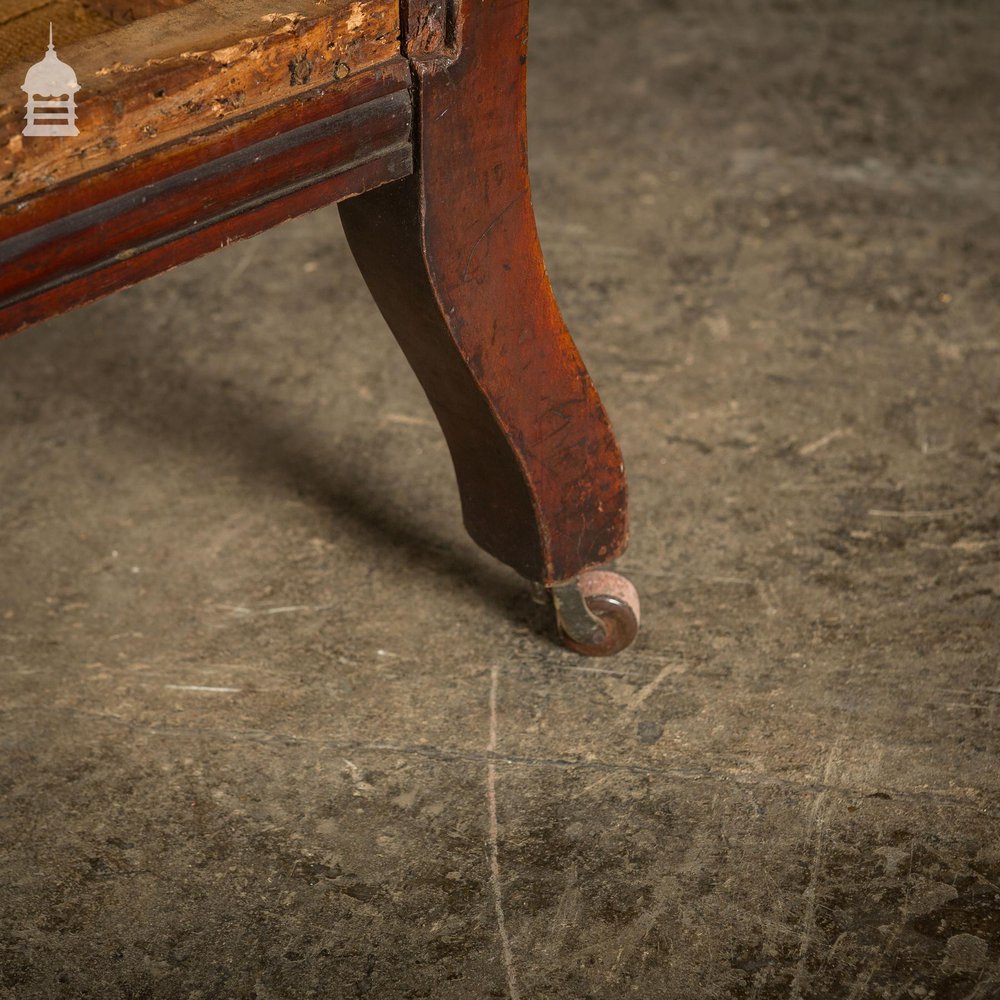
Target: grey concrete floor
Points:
(252, 670)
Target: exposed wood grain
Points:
(126, 11)
(24, 29)
(429, 26)
(121, 240)
(162, 162)
(177, 73)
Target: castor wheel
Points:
(597, 613)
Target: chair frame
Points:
(422, 140)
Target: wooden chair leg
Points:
(452, 258)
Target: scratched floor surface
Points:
(273, 727)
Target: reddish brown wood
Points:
(116, 239)
(353, 178)
(201, 126)
(56, 201)
(452, 257)
(429, 26)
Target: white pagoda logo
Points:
(50, 86)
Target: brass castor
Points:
(597, 613)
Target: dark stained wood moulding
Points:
(227, 126)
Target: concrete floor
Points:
(251, 669)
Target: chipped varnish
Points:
(173, 75)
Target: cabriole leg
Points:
(451, 255)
